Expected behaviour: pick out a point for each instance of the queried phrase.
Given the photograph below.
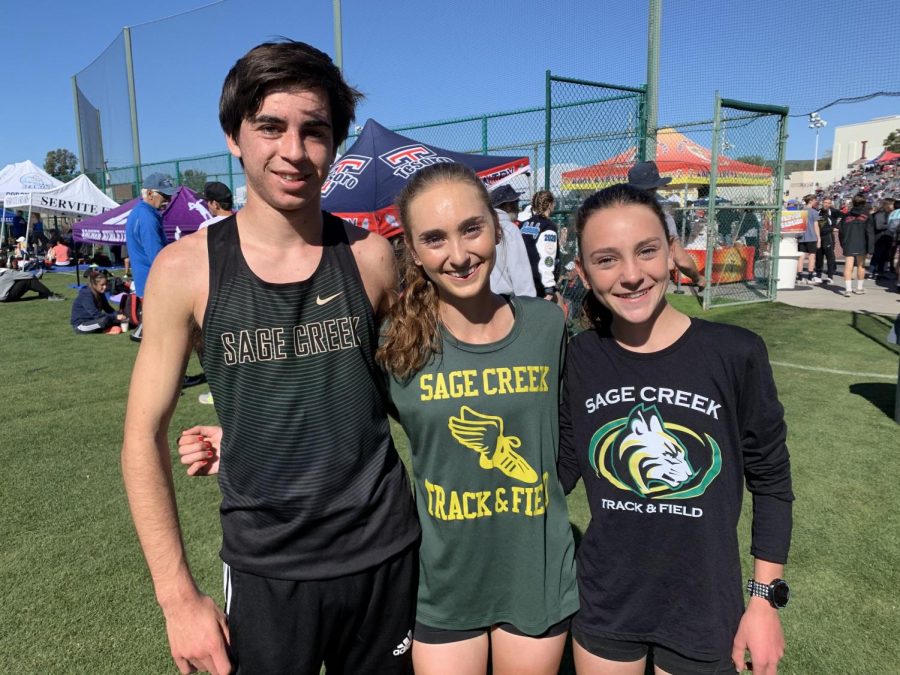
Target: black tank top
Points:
(312, 486)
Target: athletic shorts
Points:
(356, 624)
(806, 246)
(668, 660)
(441, 636)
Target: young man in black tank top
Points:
(286, 296)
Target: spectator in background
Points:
(542, 243)
(19, 226)
(219, 202)
(856, 239)
(828, 221)
(512, 270)
(894, 229)
(37, 236)
(645, 176)
(884, 239)
(91, 311)
(810, 240)
(15, 283)
(144, 233)
(58, 253)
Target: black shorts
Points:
(359, 623)
(668, 660)
(807, 246)
(442, 636)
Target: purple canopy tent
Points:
(182, 216)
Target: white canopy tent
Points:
(77, 197)
(24, 177)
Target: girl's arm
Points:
(760, 628)
(767, 471)
(567, 462)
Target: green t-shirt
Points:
(483, 426)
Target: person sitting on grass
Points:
(58, 253)
(15, 283)
(91, 311)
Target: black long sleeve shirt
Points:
(665, 443)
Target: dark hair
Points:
(808, 198)
(283, 66)
(594, 312)
(859, 200)
(226, 203)
(412, 335)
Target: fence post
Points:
(484, 135)
(779, 203)
(177, 172)
(712, 228)
(230, 174)
(547, 133)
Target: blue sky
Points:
(422, 61)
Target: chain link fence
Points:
(742, 262)
(593, 134)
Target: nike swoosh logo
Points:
(324, 301)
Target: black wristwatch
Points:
(777, 593)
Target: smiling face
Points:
(286, 148)
(625, 261)
(452, 235)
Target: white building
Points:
(850, 139)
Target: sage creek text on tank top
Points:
(311, 483)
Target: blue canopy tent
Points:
(364, 182)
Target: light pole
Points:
(816, 122)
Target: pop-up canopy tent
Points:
(23, 177)
(77, 197)
(364, 182)
(677, 157)
(182, 216)
(885, 157)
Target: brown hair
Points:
(283, 66)
(413, 335)
(541, 201)
(594, 313)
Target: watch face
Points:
(781, 593)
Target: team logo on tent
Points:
(345, 172)
(33, 181)
(405, 161)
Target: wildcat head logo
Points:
(646, 456)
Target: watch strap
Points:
(758, 590)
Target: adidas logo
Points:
(404, 646)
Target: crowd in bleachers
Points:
(875, 182)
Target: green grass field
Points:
(76, 597)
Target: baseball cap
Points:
(214, 191)
(160, 183)
(504, 194)
(645, 175)
(20, 239)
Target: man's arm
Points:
(685, 263)
(195, 626)
(377, 267)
